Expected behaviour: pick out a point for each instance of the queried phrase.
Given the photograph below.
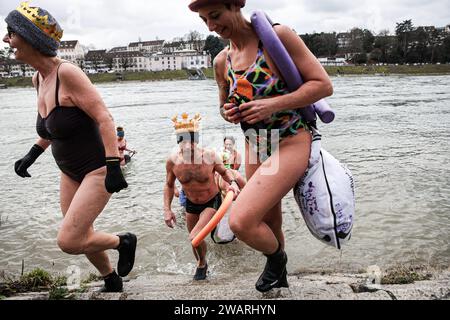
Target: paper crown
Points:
(186, 125)
(41, 21)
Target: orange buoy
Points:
(214, 220)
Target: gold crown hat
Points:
(37, 26)
(186, 124)
(197, 4)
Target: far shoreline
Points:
(360, 70)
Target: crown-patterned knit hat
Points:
(37, 26)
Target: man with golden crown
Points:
(195, 168)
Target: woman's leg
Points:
(76, 235)
(68, 188)
(256, 215)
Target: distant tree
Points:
(5, 59)
(7, 67)
(359, 58)
(81, 64)
(195, 38)
(96, 63)
(321, 44)
(420, 51)
(109, 61)
(368, 40)
(445, 51)
(376, 56)
(6, 53)
(213, 46)
(403, 33)
(23, 68)
(356, 40)
(384, 43)
(125, 63)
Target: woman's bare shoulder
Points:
(70, 71)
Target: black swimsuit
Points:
(77, 145)
(194, 208)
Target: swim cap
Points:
(197, 4)
(37, 26)
(120, 132)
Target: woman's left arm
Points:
(317, 84)
(84, 95)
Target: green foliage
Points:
(213, 46)
(321, 44)
(36, 278)
(60, 293)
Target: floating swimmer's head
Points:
(229, 142)
(120, 132)
(197, 4)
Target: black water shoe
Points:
(275, 273)
(200, 273)
(113, 283)
(127, 251)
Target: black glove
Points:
(23, 164)
(114, 181)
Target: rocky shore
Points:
(303, 286)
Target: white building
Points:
(332, 61)
(344, 40)
(191, 59)
(130, 61)
(178, 60)
(147, 46)
(71, 51)
(14, 68)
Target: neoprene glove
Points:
(23, 164)
(114, 181)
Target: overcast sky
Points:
(109, 23)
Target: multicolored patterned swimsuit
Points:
(259, 82)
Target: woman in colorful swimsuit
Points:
(75, 122)
(253, 94)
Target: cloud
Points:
(108, 23)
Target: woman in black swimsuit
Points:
(73, 119)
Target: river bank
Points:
(428, 69)
(413, 283)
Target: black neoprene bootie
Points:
(275, 273)
(113, 283)
(127, 251)
(200, 273)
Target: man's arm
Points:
(169, 190)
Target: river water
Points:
(393, 133)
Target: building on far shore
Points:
(71, 51)
(133, 61)
(147, 46)
(333, 61)
(96, 61)
(12, 68)
(179, 60)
